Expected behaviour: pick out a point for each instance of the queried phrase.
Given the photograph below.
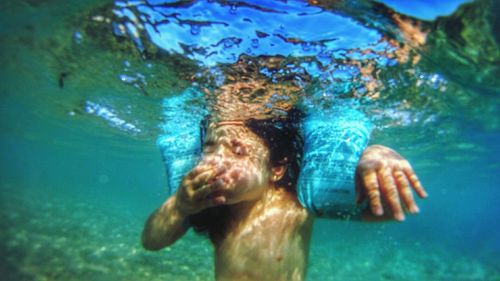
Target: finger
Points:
(372, 190)
(360, 194)
(405, 192)
(207, 189)
(198, 170)
(390, 193)
(203, 179)
(215, 199)
(218, 200)
(209, 175)
(415, 182)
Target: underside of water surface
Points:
(81, 90)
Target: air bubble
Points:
(306, 47)
(255, 43)
(77, 37)
(232, 8)
(228, 43)
(195, 29)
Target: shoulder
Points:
(286, 203)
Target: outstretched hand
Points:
(382, 175)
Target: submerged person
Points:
(242, 193)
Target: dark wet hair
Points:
(282, 136)
(285, 142)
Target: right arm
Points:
(165, 226)
(171, 221)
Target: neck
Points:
(248, 210)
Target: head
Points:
(255, 155)
(265, 150)
(241, 160)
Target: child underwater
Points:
(266, 171)
(266, 161)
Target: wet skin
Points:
(234, 168)
(269, 232)
(385, 178)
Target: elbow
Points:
(151, 244)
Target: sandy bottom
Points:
(56, 238)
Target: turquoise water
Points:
(77, 186)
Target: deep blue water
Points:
(76, 186)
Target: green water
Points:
(75, 190)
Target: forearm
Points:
(165, 226)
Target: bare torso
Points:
(266, 239)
